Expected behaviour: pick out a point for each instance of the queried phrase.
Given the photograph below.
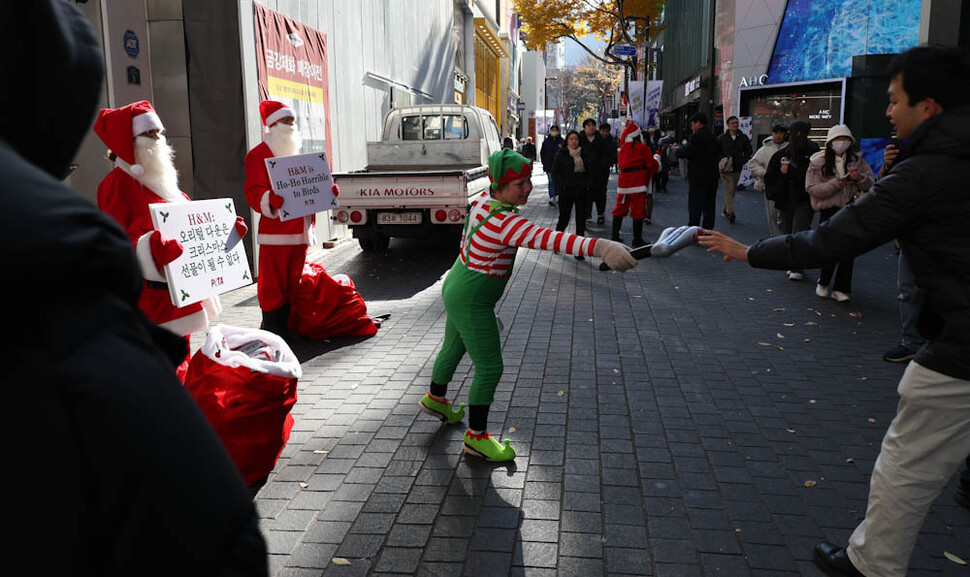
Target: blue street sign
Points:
(131, 43)
(624, 50)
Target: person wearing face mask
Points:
(282, 244)
(836, 176)
(571, 172)
(493, 234)
(550, 146)
(144, 173)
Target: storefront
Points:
(820, 102)
(489, 52)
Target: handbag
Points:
(726, 165)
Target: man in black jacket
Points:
(924, 203)
(117, 473)
(701, 153)
(594, 147)
(736, 146)
(547, 154)
(785, 183)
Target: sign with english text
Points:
(213, 259)
(304, 181)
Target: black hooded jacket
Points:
(112, 469)
(925, 203)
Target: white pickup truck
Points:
(421, 176)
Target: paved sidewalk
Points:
(687, 418)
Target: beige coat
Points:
(826, 192)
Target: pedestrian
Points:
(735, 152)
(493, 233)
(596, 158)
(923, 204)
(144, 173)
(125, 477)
(785, 183)
(550, 146)
(701, 154)
(637, 166)
(836, 176)
(282, 244)
(662, 177)
(910, 341)
(610, 147)
(571, 173)
(529, 149)
(759, 165)
(508, 143)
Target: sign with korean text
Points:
(291, 67)
(304, 182)
(213, 259)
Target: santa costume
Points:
(125, 194)
(637, 165)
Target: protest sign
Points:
(213, 260)
(304, 182)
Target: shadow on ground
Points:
(408, 267)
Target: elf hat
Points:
(273, 111)
(118, 127)
(630, 132)
(507, 165)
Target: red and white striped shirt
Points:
(494, 244)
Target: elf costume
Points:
(637, 165)
(493, 232)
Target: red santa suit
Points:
(282, 244)
(637, 165)
(126, 199)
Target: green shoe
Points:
(486, 447)
(442, 411)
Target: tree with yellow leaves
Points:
(614, 21)
(584, 88)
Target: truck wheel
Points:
(366, 244)
(381, 244)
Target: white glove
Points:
(615, 255)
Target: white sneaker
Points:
(821, 291)
(840, 296)
(792, 275)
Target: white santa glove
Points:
(615, 255)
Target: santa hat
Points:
(630, 132)
(506, 165)
(273, 111)
(118, 127)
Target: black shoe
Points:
(731, 218)
(899, 354)
(834, 561)
(580, 257)
(962, 496)
(600, 219)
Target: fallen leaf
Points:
(779, 348)
(511, 429)
(304, 485)
(850, 460)
(871, 420)
(778, 310)
(340, 561)
(780, 336)
(765, 344)
(737, 530)
(811, 401)
(321, 452)
(863, 378)
(954, 558)
(810, 484)
(561, 393)
(808, 340)
(616, 371)
(790, 430)
(855, 315)
(789, 324)
(811, 323)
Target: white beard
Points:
(284, 139)
(157, 158)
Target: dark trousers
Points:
(965, 477)
(597, 194)
(796, 218)
(568, 199)
(660, 180)
(701, 200)
(842, 270)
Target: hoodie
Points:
(113, 457)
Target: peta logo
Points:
(295, 39)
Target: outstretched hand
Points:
(720, 242)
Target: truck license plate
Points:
(399, 218)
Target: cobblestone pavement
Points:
(687, 418)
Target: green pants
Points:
(470, 299)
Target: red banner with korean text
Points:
(291, 67)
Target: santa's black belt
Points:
(625, 170)
(154, 284)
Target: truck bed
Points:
(410, 189)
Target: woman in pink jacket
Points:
(836, 175)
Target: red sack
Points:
(245, 380)
(325, 306)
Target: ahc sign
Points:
(753, 81)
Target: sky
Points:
(575, 52)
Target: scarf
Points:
(577, 159)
